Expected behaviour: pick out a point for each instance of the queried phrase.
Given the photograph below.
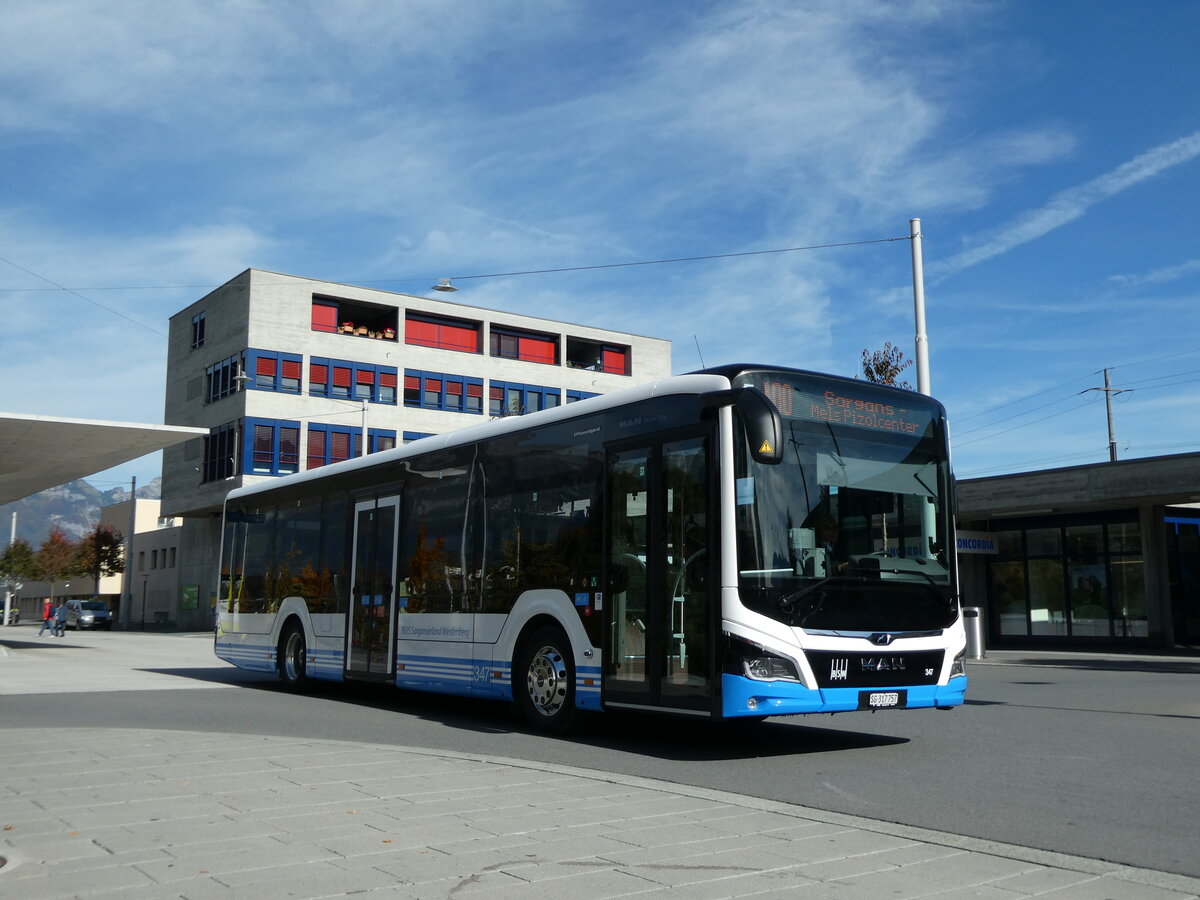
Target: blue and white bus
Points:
(745, 541)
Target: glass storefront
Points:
(1078, 579)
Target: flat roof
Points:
(39, 452)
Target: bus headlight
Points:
(767, 667)
(959, 666)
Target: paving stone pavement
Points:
(182, 814)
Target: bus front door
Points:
(369, 637)
(661, 577)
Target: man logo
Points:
(839, 669)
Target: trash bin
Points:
(973, 622)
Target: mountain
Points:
(74, 507)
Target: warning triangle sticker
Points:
(766, 447)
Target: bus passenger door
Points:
(660, 583)
(369, 638)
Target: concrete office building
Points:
(289, 374)
(1098, 555)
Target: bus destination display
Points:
(839, 408)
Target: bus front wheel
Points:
(544, 680)
(293, 658)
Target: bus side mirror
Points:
(764, 426)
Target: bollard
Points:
(973, 623)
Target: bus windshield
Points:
(849, 534)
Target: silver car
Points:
(88, 614)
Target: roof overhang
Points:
(1126, 484)
(39, 452)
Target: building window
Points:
(197, 331)
(410, 436)
(220, 453)
(270, 371)
(575, 396)
(508, 399)
(221, 379)
(595, 356)
(345, 380)
(509, 343)
(380, 439)
(354, 317)
(1082, 580)
(331, 443)
(435, 390)
(274, 446)
(443, 334)
(153, 559)
(171, 565)
(141, 560)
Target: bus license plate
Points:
(882, 699)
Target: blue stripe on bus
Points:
(782, 698)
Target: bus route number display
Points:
(838, 408)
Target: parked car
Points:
(88, 614)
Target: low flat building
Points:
(1096, 555)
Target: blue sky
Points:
(152, 151)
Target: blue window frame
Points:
(330, 443)
(410, 436)
(268, 370)
(272, 447)
(437, 390)
(344, 379)
(575, 396)
(507, 398)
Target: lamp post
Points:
(922, 341)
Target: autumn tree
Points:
(57, 559)
(101, 552)
(884, 366)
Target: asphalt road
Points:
(1083, 755)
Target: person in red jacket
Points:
(47, 617)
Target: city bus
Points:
(740, 542)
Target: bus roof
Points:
(696, 383)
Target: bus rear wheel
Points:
(544, 680)
(293, 658)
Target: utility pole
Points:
(1108, 394)
(922, 340)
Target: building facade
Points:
(1098, 555)
(289, 374)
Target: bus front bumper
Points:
(743, 696)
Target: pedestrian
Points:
(47, 617)
(60, 619)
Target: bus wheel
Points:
(293, 658)
(544, 680)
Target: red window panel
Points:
(387, 379)
(316, 449)
(412, 383)
(289, 449)
(474, 390)
(265, 366)
(341, 376)
(318, 373)
(339, 446)
(291, 368)
(324, 316)
(454, 387)
(458, 337)
(540, 350)
(423, 333)
(614, 361)
(366, 376)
